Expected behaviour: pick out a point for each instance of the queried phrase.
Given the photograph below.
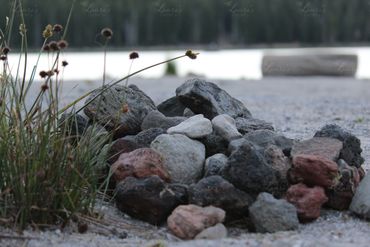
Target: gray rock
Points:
(107, 110)
(149, 199)
(207, 98)
(224, 125)
(120, 146)
(216, 191)
(215, 164)
(271, 215)
(193, 127)
(248, 168)
(360, 204)
(184, 157)
(351, 151)
(215, 144)
(145, 137)
(155, 119)
(75, 124)
(247, 125)
(217, 231)
(321, 146)
(171, 107)
(310, 65)
(188, 113)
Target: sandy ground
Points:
(297, 107)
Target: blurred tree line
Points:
(206, 22)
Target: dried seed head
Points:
(107, 33)
(46, 47)
(3, 57)
(134, 55)
(57, 28)
(64, 63)
(48, 31)
(125, 108)
(50, 73)
(62, 44)
(54, 46)
(5, 50)
(191, 54)
(43, 74)
(56, 71)
(44, 87)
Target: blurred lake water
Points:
(217, 64)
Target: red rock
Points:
(320, 146)
(314, 170)
(119, 147)
(140, 163)
(308, 201)
(187, 221)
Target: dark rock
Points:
(140, 163)
(145, 137)
(75, 124)
(247, 125)
(314, 170)
(155, 119)
(308, 201)
(271, 215)
(107, 109)
(119, 147)
(351, 151)
(215, 164)
(149, 199)
(187, 221)
(214, 144)
(249, 170)
(183, 157)
(341, 195)
(216, 191)
(171, 107)
(207, 98)
(326, 147)
(360, 204)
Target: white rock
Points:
(194, 127)
(225, 126)
(217, 231)
(183, 157)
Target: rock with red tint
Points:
(187, 221)
(308, 201)
(314, 170)
(140, 163)
(320, 146)
(119, 147)
(341, 195)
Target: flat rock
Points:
(149, 199)
(308, 201)
(187, 221)
(314, 170)
(247, 125)
(215, 164)
(171, 107)
(351, 151)
(194, 127)
(207, 98)
(140, 163)
(271, 215)
(183, 157)
(360, 204)
(107, 109)
(156, 119)
(320, 146)
(217, 231)
(216, 191)
(249, 170)
(224, 125)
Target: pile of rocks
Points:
(200, 159)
